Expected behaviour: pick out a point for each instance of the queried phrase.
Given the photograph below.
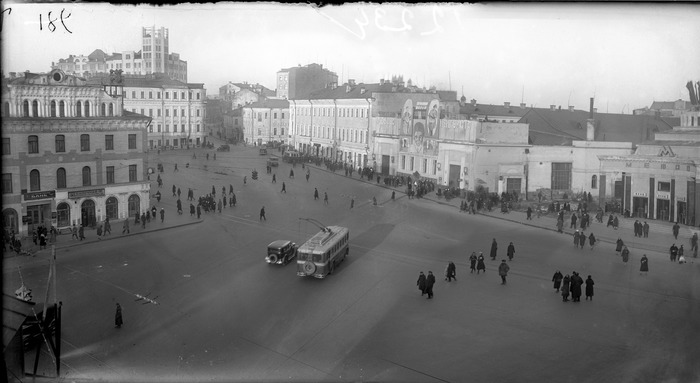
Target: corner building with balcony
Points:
(70, 154)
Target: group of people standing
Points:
(571, 285)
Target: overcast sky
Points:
(627, 55)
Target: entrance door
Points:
(385, 165)
(63, 215)
(134, 205)
(663, 207)
(36, 217)
(682, 213)
(513, 185)
(455, 171)
(639, 207)
(112, 208)
(87, 213)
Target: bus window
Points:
(317, 257)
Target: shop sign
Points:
(680, 199)
(31, 196)
(86, 193)
(640, 194)
(663, 196)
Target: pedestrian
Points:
(451, 272)
(565, 288)
(511, 251)
(42, 237)
(480, 265)
(576, 238)
(225, 200)
(274, 178)
(429, 282)
(175, 169)
(676, 228)
(75, 232)
(191, 209)
(393, 194)
(178, 193)
(308, 174)
(81, 232)
(245, 178)
(421, 283)
(503, 271)
(199, 211)
(494, 249)
(591, 240)
(557, 280)
(575, 287)
(673, 252)
(694, 243)
(680, 252)
(582, 239)
(352, 202)
(644, 266)
(625, 254)
(472, 262)
(284, 188)
(143, 220)
(618, 245)
(589, 288)
(220, 205)
(262, 214)
(162, 215)
(233, 201)
(529, 213)
(325, 198)
(107, 227)
(616, 223)
(118, 317)
(645, 229)
(374, 201)
(573, 221)
(125, 227)
(174, 191)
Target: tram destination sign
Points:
(31, 196)
(86, 193)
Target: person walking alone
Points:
(125, 227)
(162, 215)
(325, 198)
(503, 269)
(480, 265)
(494, 249)
(118, 321)
(429, 282)
(511, 251)
(565, 288)
(284, 188)
(589, 288)
(451, 272)
(644, 265)
(315, 193)
(262, 214)
(81, 232)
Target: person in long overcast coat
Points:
(494, 249)
(480, 263)
(575, 287)
(429, 282)
(565, 288)
(557, 280)
(589, 288)
(421, 283)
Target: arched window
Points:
(53, 108)
(25, 108)
(63, 214)
(112, 208)
(34, 180)
(35, 108)
(594, 182)
(61, 109)
(87, 109)
(86, 176)
(61, 178)
(78, 109)
(103, 110)
(111, 110)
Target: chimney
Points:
(592, 109)
(506, 104)
(522, 105)
(381, 81)
(552, 107)
(473, 102)
(362, 90)
(590, 129)
(571, 108)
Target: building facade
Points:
(266, 121)
(153, 57)
(243, 93)
(178, 109)
(71, 155)
(233, 125)
(299, 82)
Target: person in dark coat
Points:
(192, 211)
(421, 283)
(199, 211)
(162, 215)
(429, 282)
(284, 188)
(511, 251)
(591, 240)
(81, 232)
(557, 280)
(480, 265)
(472, 262)
(575, 287)
(676, 228)
(625, 254)
(644, 265)
(262, 214)
(616, 223)
(565, 288)
(576, 235)
(118, 322)
(618, 245)
(315, 193)
(645, 229)
(589, 288)
(503, 269)
(494, 249)
(582, 239)
(451, 272)
(673, 252)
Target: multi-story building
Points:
(266, 121)
(242, 93)
(233, 125)
(339, 122)
(299, 82)
(153, 57)
(70, 154)
(177, 108)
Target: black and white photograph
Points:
(350, 192)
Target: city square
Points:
(357, 193)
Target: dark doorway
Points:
(87, 213)
(455, 171)
(639, 207)
(662, 209)
(385, 165)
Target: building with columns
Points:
(71, 155)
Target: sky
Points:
(624, 55)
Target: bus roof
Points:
(322, 240)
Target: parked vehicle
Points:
(223, 148)
(281, 252)
(273, 161)
(291, 156)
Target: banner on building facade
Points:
(86, 193)
(407, 118)
(433, 117)
(31, 196)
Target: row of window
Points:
(274, 132)
(59, 109)
(167, 128)
(62, 179)
(349, 135)
(60, 143)
(166, 94)
(413, 167)
(167, 112)
(259, 116)
(330, 112)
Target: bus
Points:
(321, 254)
